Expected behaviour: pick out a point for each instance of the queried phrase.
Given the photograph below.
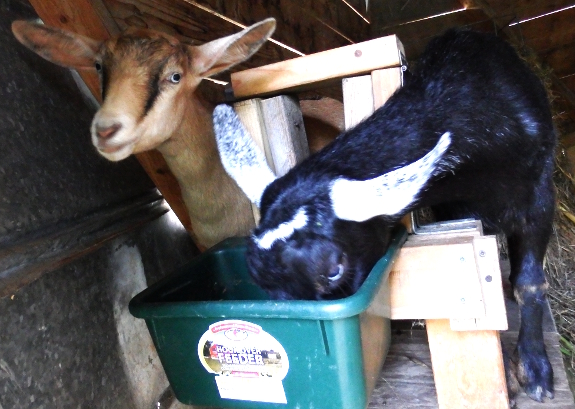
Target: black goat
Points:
(470, 134)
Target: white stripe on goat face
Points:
(283, 231)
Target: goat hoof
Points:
(537, 394)
(535, 374)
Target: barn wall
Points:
(79, 236)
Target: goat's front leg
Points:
(534, 370)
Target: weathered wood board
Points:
(307, 72)
(407, 377)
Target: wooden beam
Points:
(312, 70)
(490, 281)
(26, 258)
(285, 132)
(467, 367)
(357, 99)
(385, 83)
(436, 279)
(276, 126)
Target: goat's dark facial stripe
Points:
(104, 80)
(154, 86)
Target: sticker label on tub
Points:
(249, 363)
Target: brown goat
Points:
(149, 83)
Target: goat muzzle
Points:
(107, 132)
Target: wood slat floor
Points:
(407, 377)
(406, 381)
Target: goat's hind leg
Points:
(527, 245)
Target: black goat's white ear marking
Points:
(283, 231)
(241, 157)
(388, 194)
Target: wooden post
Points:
(467, 367)
(385, 83)
(364, 94)
(276, 126)
(454, 282)
(285, 132)
(357, 99)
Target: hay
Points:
(560, 264)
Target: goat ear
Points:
(219, 55)
(389, 194)
(241, 158)
(58, 46)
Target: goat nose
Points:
(107, 132)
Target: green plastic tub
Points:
(223, 343)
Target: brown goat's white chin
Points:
(117, 153)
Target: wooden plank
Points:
(406, 380)
(436, 281)
(467, 367)
(25, 259)
(489, 276)
(385, 83)
(276, 126)
(357, 99)
(251, 116)
(362, 95)
(156, 167)
(285, 132)
(298, 73)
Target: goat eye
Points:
(98, 67)
(175, 77)
(336, 273)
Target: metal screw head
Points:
(463, 300)
(357, 53)
(462, 259)
(488, 278)
(481, 253)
